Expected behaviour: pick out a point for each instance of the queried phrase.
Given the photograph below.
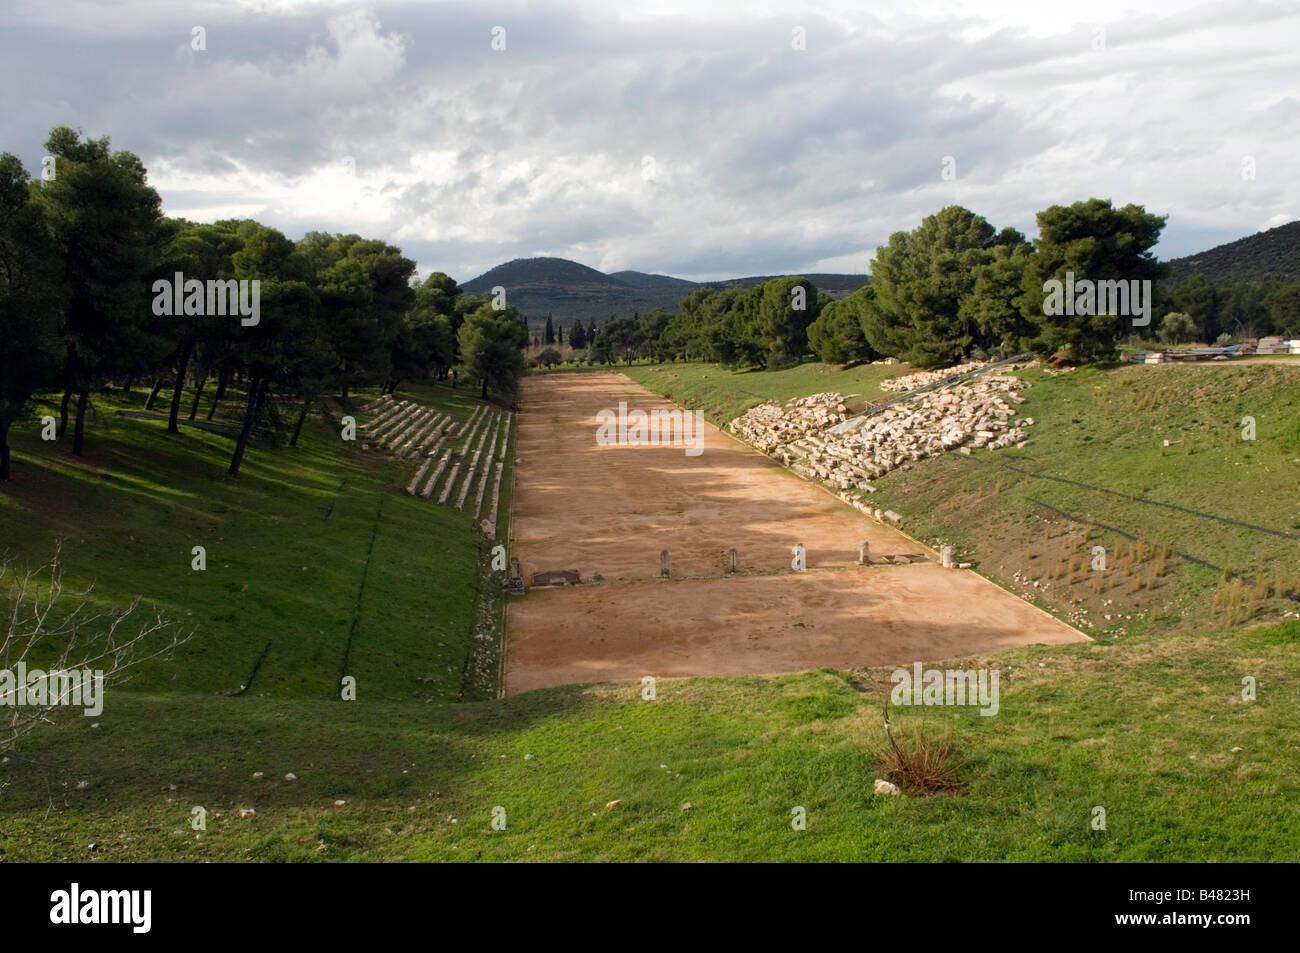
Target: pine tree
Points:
(550, 329)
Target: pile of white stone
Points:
(921, 378)
(769, 427)
(968, 416)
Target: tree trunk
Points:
(198, 392)
(153, 393)
(302, 417)
(483, 391)
(79, 434)
(256, 391)
(63, 410)
(223, 380)
(182, 365)
(4, 447)
(392, 385)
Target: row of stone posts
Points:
(947, 558)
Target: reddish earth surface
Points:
(610, 510)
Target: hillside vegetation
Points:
(1268, 256)
(313, 552)
(572, 291)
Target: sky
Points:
(685, 137)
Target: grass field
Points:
(724, 395)
(308, 548)
(1144, 730)
(1142, 722)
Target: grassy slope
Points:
(1125, 724)
(1105, 428)
(289, 544)
(724, 395)
(1144, 730)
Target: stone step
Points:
(413, 424)
(487, 465)
(413, 445)
(386, 426)
(389, 414)
(415, 480)
(442, 465)
(473, 466)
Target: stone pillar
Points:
(948, 557)
(864, 553)
(663, 563)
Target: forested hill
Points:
(1261, 258)
(538, 286)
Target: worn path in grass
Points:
(612, 509)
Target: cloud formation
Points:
(682, 138)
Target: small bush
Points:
(920, 764)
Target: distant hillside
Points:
(639, 279)
(569, 290)
(837, 286)
(1265, 257)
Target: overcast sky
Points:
(686, 137)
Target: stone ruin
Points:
(969, 416)
(515, 581)
(556, 577)
(921, 378)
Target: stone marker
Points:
(948, 557)
(515, 582)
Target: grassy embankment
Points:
(1105, 428)
(1123, 724)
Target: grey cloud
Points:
(753, 140)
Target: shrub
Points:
(920, 764)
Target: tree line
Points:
(85, 249)
(956, 287)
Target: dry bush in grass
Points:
(64, 632)
(920, 764)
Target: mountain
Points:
(569, 290)
(639, 279)
(837, 286)
(1264, 257)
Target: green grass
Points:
(1141, 722)
(307, 548)
(1127, 727)
(724, 395)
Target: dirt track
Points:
(611, 509)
